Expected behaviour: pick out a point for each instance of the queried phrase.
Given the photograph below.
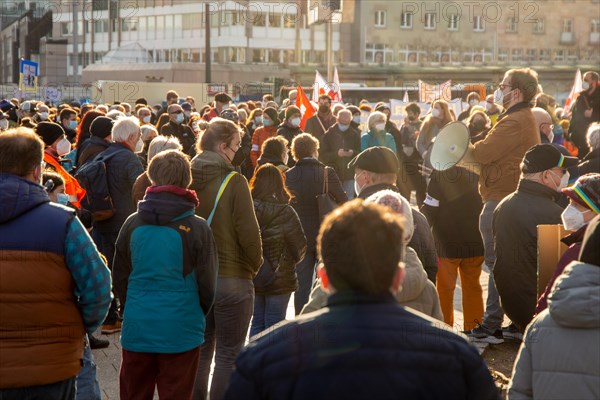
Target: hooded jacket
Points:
(560, 355)
(165, 269)
(417, 292)
(234, 224)
(284, 246)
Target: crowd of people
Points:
(188, 227)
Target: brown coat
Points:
(501, 152)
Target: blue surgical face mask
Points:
(62, 198)
(343, 127)
(267, 122)
(179, 118)
(356, 119)
(73, 124)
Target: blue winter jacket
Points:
(165, 272)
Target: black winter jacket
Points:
(121, 172)
(590, 163)
(361, 347)
(515, 225)
(452, 208)
(305, 181)
(184, 133)
(334, 140)
(284, 246)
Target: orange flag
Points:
(305, 107)
(72, 187)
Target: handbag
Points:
(325, 202)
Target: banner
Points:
(428, 92)
(28, 76)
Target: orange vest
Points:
(72, 187)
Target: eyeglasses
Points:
(550, 125)
(177, 112)
(502, 86)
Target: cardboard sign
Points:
(550, 250)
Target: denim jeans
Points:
(306, 276)
(87, 384)
(493, 316)
(226, 329)
(348, 187)
(268, 310)
(63, 390)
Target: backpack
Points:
(92, 177)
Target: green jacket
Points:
(234, 224)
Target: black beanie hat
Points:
(291, 110)
(272, 113)
(101, 126)
(49, 132)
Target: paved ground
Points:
(108, 360)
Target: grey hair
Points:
(593, 135)
(375, 115)
(115, 115)
(162, 143)
(148, 131)
(125, 127)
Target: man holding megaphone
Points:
(498, 157)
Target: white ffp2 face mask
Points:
(572, 218)
(63, 147)
(139, 146)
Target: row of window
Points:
(430, 22)
(374, 53)
(382, 54)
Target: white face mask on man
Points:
(564, 180)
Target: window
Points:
(406, 20)
(453, 22)
(66, 28)
(559, 55)
(192, 21)
(503, 55)
(478, 23)
(237, 18)
(512, 25)
(538, 26)
(531, 55)
(544, 54)
(567, 26)
(378, 53)
(101, 26)
(289, 21)
(258, 55)
(430, 22)
(517, 54)
(380, 19)
(274, 20)
(595, 27)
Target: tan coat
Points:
(501, 152)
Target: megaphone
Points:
(452, 146)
